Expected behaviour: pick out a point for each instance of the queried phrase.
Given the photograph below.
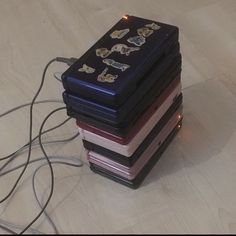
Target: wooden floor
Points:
(192, 189)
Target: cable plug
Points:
(68, 61)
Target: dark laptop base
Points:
(129, 161)
(135, 183)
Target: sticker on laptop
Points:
(87, 69)
(104, 77)
(121, 48)
(118, 34)
(137, 40)
(103, 52)
(115, 64)
(153, 26)
(145, 32)
(124, 49)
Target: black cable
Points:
(39, 159)
(28, 104)
(35, 192)
(68, 61)
(50, 167)
(12, 156)
(80, 164)
(46, 131)
(59, 59)
(27, 144)
(30, 131)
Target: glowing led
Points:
(125, 17)
(179, 116)
(179, 126)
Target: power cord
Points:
(5, 225)
(80, 163)
(30, 131)
(57, 76)
(61, 160)
(65, 162)
(50, 167)
(26, 145)
(35, 193)
(28, 104)
(57, 59)
(69, 62)
(74, 162)
(35, 160)
(16, 153)
(7, 229)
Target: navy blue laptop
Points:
(113, 69)
(158, 77)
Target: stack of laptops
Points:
(125, 93)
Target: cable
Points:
(30, 131)
(57, 76)
(45, 143)
(60, 59)
(22, 106)
(27, 144)
(28, 104)
(39, 159)
(65, 162)
(35, 193)
(7, 229)
(80, 164)
(6, 225)
(52, 142)
(15, 154)
(68, 61)
(50, 167)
